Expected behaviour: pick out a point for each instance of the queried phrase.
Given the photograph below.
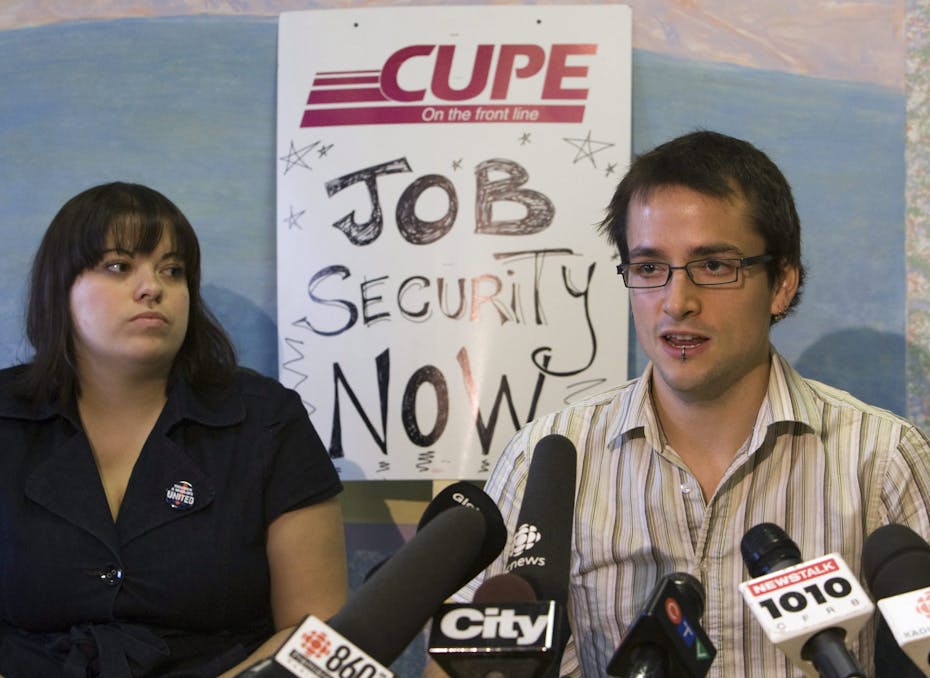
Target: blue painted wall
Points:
(187, 105)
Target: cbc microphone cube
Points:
(908, 617)
(316, 650)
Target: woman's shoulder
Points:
(252, 394)
(13, 401)
(12, 373)
(251, 384)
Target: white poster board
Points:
(441, 173)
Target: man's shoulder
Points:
(840, 400)
(601, 409)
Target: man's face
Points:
(722, 330)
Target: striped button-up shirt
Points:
(824, 466)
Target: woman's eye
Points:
(173, 271)
(116, 266)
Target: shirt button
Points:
(685, 489)
(111, 575)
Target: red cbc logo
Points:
(315, 644)
(923, 604)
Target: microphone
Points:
(542, 544)
(896, 567)
(516, 625)
(666, 639)
(466, 494)
(807, 609)
(389, 609)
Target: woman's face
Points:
(130, 311)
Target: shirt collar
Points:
(788, 399)
(215, 407)
(635, 412)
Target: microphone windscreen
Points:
(541, 551)
(690, 592)
(466, 494)
(766, 548)
(392, 606)
(895, 560)
(504, 588)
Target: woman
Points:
(162, 512)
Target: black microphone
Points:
(466, 494)
(516, 626)
(542, 544)
(463, 493)
(666, 640)
(389, 609)
(807, 609)
(896, 567)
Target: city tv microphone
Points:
(896, 568)
(463, 493)
(389, 609)
(807, 609)
(516, 625)
(666, 640)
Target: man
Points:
(719, 433)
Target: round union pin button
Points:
(180, 495)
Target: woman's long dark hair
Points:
(136, 217)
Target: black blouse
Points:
(178, 585)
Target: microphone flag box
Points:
(664, 625)
(796, 602)
(908, 617)
(315, 650)
(469, 639)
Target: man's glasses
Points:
(646, 274)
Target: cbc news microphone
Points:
(666, 640)
(389, 609)
(516, 626)
(807, 609)
(896, 567)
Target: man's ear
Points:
(786, 286)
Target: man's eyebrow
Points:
(712, 249)
(717, 248)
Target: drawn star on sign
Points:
(295, 156)
(293, 219)
(587, 147)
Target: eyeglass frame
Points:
(742, 262)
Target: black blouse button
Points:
(111, 575)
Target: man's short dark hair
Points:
(723, 167)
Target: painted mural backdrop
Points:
(441, 280)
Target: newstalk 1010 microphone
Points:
(807, 609)
(389, 609)
(896, 567)
(516, 626)
(666, 640)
